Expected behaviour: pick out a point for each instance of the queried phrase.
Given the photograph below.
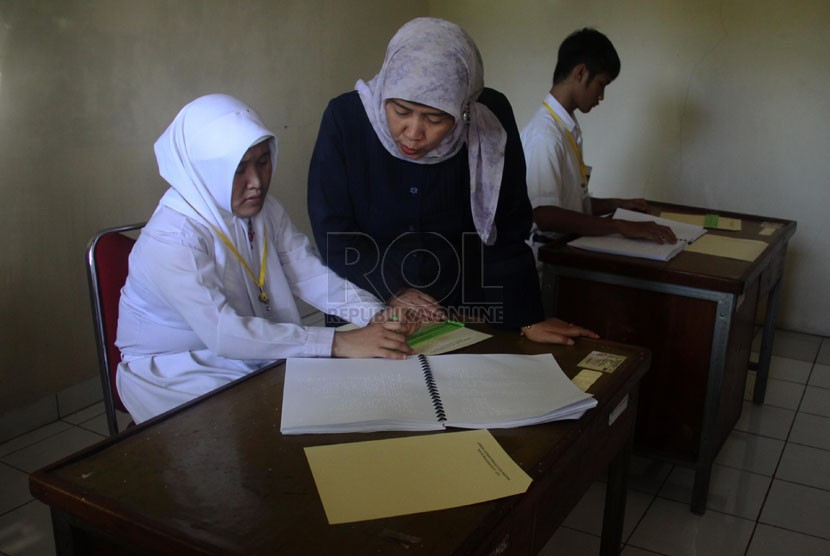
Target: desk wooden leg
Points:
(700, 489)
(549, 284)
(762, 369)
(72, 539)
(615, 495)
(64, 534)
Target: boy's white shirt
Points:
(553, 176)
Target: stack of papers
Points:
(643, 248)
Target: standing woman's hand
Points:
(421, 307)
(556, 331)
(398, 319)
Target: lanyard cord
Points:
(583, 170)
(260, 283)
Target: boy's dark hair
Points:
(590, 47)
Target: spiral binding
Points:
(432, 388)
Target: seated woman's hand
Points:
(556, 331)
(384, 337)
(422, 307)
(398, 319)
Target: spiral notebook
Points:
(642, 248)
(421, 393)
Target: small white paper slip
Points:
(601, 361)
(769, 228)
(617, 411)
(585, 379)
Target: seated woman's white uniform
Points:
(212, 278)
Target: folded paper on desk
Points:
(642, 248)
(714, 221)
(442, 337)
(401, 476)
(427, 393)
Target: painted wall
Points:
(719, 104)
(86, 87)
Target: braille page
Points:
(505, 390)
(355, 395)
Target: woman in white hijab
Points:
(212, 278)
(420, 171)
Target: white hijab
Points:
(434, 62)
(198, 155)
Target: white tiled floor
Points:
(25, 526)
(770, 490)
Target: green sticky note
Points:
(710, 221)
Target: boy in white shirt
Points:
(557, 176)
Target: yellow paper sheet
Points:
(399, 476)
(729, 224)
(733, 248)
(586, 378)
(724, 223)
(693, 219)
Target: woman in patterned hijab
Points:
(434, 63)
(417, 188)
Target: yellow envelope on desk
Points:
(399, 476)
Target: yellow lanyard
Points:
(263, 297)
(583, 170)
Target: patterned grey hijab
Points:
(434, 62)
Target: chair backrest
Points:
(107, 255)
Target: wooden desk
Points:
(696, 313)
(217, 477)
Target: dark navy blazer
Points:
(386, 223)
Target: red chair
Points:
(107, 254)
